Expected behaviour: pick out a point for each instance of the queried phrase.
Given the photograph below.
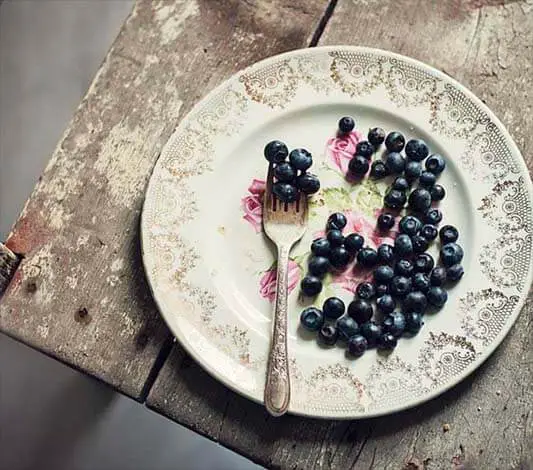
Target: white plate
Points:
(210, 266)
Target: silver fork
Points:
(284, 224)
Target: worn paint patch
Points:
(175, 20)
(117, 265)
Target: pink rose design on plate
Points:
(252, 204)
(352, 277)
(267, 284)
(340, 149)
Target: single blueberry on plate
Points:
(353, 243)
(335, 238)
(435, 164)
(318, 266)
(413, 170)
(420, 200)
(360, 310)
(333, 308)
(448, 234)
(308, 183)
(365, 149)
(394, 199)
(285, 192)
(404, 267)
(394, 323)
(400, 286)
(403, 246)
(438, 193)
(386, 253)
(438, 276)
(455, 272)
(415, 301)
(395, 142)
(381, 290)
(376, 136)
(365, 290)
(371, 332)
(328, 335)
(421, 282)
(424, 263)
(387, 342)
(433, 216)
(312, 319)
(311, 286)
(420, 244)
(367, 257)
(394, 162)
(400, 183)
(427, 179)
(284, 172)
(429, 232)
(416, 149)
(357, 345)
(300, 159)
(276, 151)
(336, 221)
(451, 254)
(358, 165)
(385, 221)
(321, 247)
(437, 296)
(346, 125)
(410, 225)
(347, 327)
(339, 257)
(413, 322)
(385, 304)
(383, 274)
(378, 170)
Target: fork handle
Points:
(277, 389)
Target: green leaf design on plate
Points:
(369, 197)
(337, 199)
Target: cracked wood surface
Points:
(486, 422)
(80, 294)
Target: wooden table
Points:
(79, 293)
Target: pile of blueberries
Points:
(406, 280)
(291, 176)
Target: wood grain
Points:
(486, 422)
(80, 293)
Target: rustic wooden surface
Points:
(80, 293)
(486, 422)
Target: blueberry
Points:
(312, 319)
(311, 286)
(385, 304)
(318, 266)
(360, 310)
(365, 290)
(410, 225)
(336, 221)
(437, 296)
(395, 199)
(427, 179)
(421, 282)
(376, 136)
(415, 301)
(381, 290)
(400, 286)
(412, 170)
(385, 221)
(448, 234)
(353, 243)
(420, 200)
(367, 257)
(433, 216)
(300, 159)
(438, 276)
(276, 151)
(335, 238)
(339, 257)
(378, 170)
(404, 267)
(437, 192)
(420, 244)
(395, 142)
(347, 327)
(424, 263)
(451, 254)
(395, 162)
(429, 232)
(385, 253)
(400, 183)
(333, 308)
(358, 165)
(371, 332)
(308, 183)
(394, 323)
(413, 322)
(320, 247)
(357, 345)
(435, 164)
(416, 149)
(284, 172)
(365, 149)
(455, 272)
(328, 335)
(403, 246)
(346, 125)
(387, 342)
(383, 274)
(285, 192)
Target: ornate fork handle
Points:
(277, 389)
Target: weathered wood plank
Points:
(486, 422)
(80, 293)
